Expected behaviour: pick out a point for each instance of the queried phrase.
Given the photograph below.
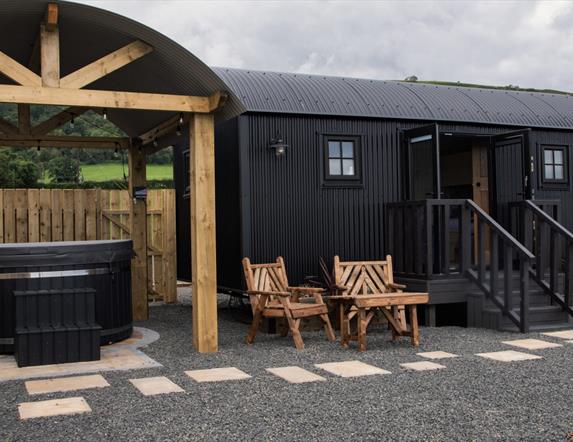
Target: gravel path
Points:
(472, 399)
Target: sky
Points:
(523, 43)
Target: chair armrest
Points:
(340, 288)
(307, 290)
(397, 286)
(260, 292)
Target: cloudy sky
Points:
(525, 43)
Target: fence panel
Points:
(41, 215)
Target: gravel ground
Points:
(472, 399)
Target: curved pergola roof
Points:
(88, 33)
(324, 95)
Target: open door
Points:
(511, 168)
(422, 147)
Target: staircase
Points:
(522, 281)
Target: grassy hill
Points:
(114, 172)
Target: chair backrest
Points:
(268, 277)
(364, 277)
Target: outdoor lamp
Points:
(278, 145)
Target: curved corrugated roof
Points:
(324, 95)
(88, 33)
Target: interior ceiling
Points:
(88, 33)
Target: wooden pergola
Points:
(49, 87)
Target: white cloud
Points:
(517, 42)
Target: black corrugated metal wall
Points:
(283, 209)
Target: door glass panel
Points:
(423, 169)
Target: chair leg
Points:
(254, 326)
(414, 326)
(344, 326)
(328, 328)
(396, 315)
(294, 325)
(361, 325)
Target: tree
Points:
(26, 173)
(6, 173)
(64, 169)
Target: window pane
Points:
(334, 149)
(558, 157)
(548, 156)
(334, 167)
(347, 149)
(559, 172)
(549, 172)
(348, 167)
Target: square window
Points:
(555, 167)
(341, 161)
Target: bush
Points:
(64, 169)
(25, 173)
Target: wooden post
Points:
(203, 242)
(50, 56)
(138, 228)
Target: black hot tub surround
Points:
(104, 266)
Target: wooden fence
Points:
(39, 215)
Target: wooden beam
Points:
(50, 56)
(51, 16)
(217, 100)
(20, 74)
(58, 120)
(138, 229)
(167, 127)
(24, 118)
(203, 241)
(63, 141)
(103, 99)
(105, 65)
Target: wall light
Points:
(278, 145)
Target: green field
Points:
(114, 171)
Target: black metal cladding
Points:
(279, 92)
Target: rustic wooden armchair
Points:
(364, 287)
(272, 297)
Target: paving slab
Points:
(60, 385)
(349, 369)
(422, 366)
(436, 355)
(295, 375)
(563, 334)
(54, 407)
(509, 356)
(217, 374)
(156, 385)
(532, 344)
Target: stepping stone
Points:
(509, 356)
(60, 385)
(564, 334)
(295, 375)
(349, 369)
(531, 344)
(217, 374)
(156, 385)
(422, 366)
(437, 355)
(54, 407)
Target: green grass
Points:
(113, 171)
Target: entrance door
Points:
(510, 176)
(422, 150)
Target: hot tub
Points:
(104, 266)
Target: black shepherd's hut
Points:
(469, 189)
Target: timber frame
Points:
(48, 87)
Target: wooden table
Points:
(364, 307)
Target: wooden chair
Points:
(364, 287)
(272, 297)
